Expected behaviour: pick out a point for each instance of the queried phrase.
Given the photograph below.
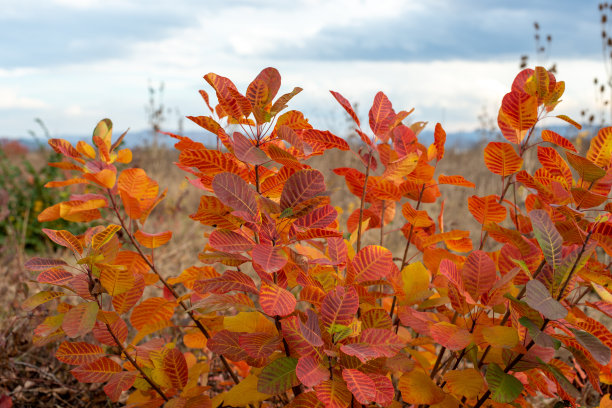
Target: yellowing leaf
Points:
(249, 322)
(417, 388)
(241, 395)
(464, 383)
(415, 278)
(500, 336)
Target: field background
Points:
(31, 374)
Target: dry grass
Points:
(32, 376)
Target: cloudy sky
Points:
(73, 62)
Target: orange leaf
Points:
(116, 279)
(151, 310)
(98, 371)
(557, 139)
(417, 388)
(455, 181)
(520, 109)
(439, 140)
(486, 209)
(333, 393)
(78, 353)
(153, 240)
(105, 178)
(501, 158)
(104, 236)
(81, 319)
(600, 150)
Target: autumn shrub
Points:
(288, 308)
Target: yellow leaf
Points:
(417, 388)
(415, 279)
(500, 336)
(240, 395)
(250, 322)
(464, 383)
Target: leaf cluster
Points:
(291, 305)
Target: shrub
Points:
(298, 312)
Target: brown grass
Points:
(33, 377)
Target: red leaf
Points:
(450, 336)
(230, 280)
(371, 263)
(520, 109)
(310, 371)
(119, 329)
(54, 276)
(311, 330)
(175, 367)
(270, 258)
(339, 306)
(153, 240)
(404, 140)
(119, 383)
(455, 181)
(229, 241)
(479, 274)
(272, 79)
(346, 105)
(276, 301)
(233, 191)
(259, 345)
(384, 389)
(247, 152)
(301, 186)
(362, 386)
(320, 141)
(41, 264)
(227, 343)
(319, 218)
(381, 115)
(374, 343)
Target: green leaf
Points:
(339, 332)
(278, 376)
(504, 387)
(548, 237)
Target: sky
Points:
(74, 62)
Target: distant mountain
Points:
(460, 140)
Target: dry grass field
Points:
(33, 377)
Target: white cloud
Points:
(11, 99)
